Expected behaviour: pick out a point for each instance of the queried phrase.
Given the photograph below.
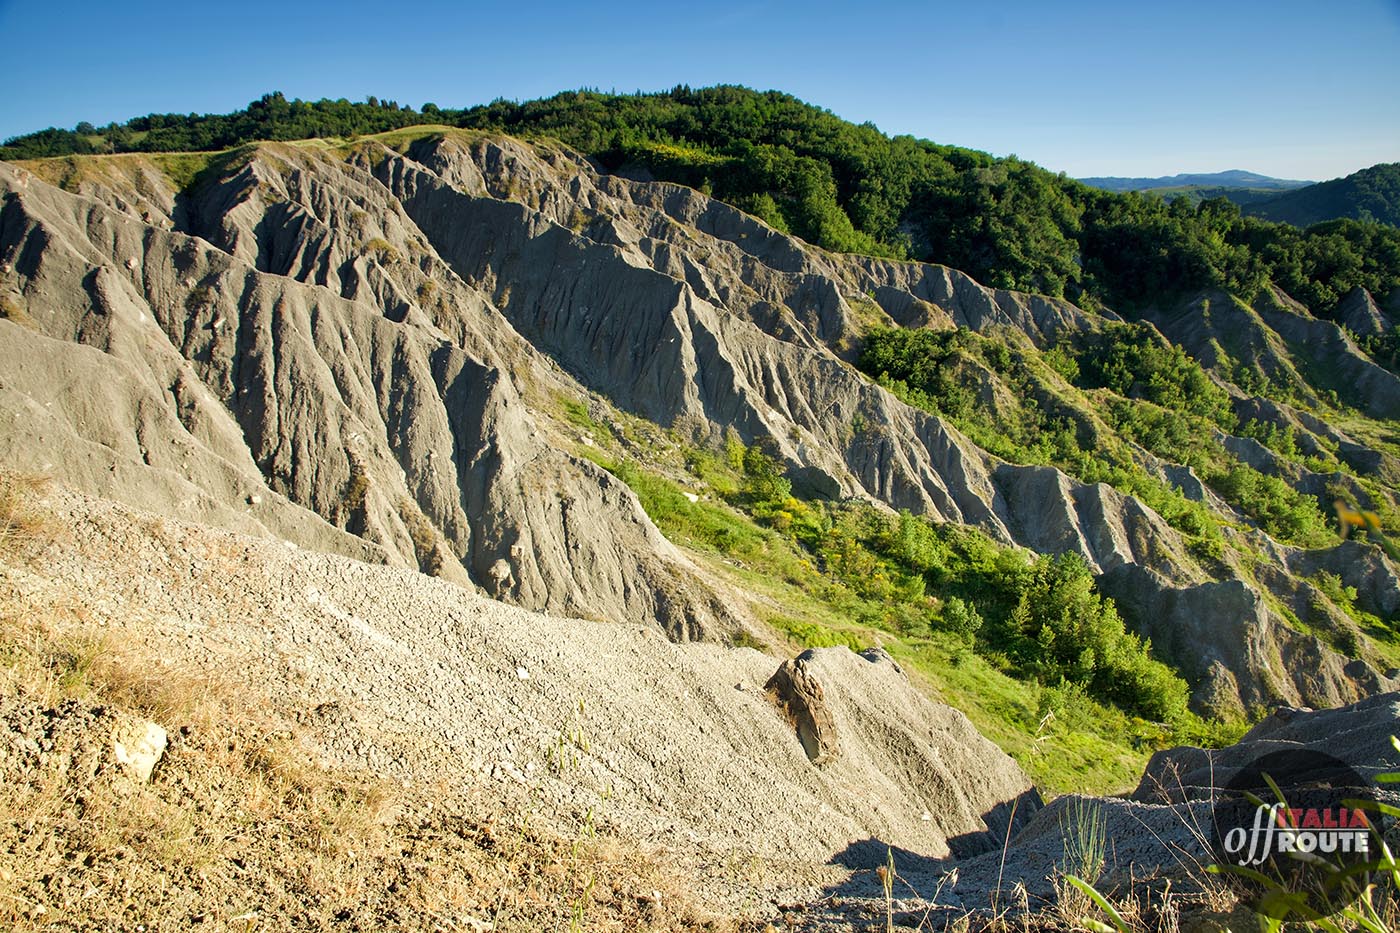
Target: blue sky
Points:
(1294, 89)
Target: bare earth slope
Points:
(417, 680)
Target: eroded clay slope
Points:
(685, 310)
(162, 370)
(377, 341)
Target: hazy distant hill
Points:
(1370, 194)
(1234, 178)
(1195, 194)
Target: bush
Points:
(1135, 361)
(1045, 617)
(1063, 629)
(960, 618)
(1279, 509)
(764, 481)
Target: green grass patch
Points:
(576, 413)
(182, 168)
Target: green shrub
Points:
(960, 618)
(764, 481)
(1044, 617)
(1135, 361)
(1279, 509)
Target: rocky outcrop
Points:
(1055, 514)
(798, 693)
(177, 376)
(1332, 358)
(1161, 832)
(137, 746)
(1215, 630)
(1355, 565)
(1359, 313)
(1358, 734)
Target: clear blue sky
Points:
(1294, 89)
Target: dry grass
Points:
(425, 538)
(10, 310)
(382, 249)
(23, 521)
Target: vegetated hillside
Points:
(484, 359)
(598, 396)
(1232, 179)
(1372, 194)
(844, 187)
(1196, 195)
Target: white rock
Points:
(501, 574)
(522, 673)
(138, 746)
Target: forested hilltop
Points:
(851, 188)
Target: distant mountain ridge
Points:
(1233, 178)
(1370, 194)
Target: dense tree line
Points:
(851, 188)
(270, 117)
(1006, 222)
